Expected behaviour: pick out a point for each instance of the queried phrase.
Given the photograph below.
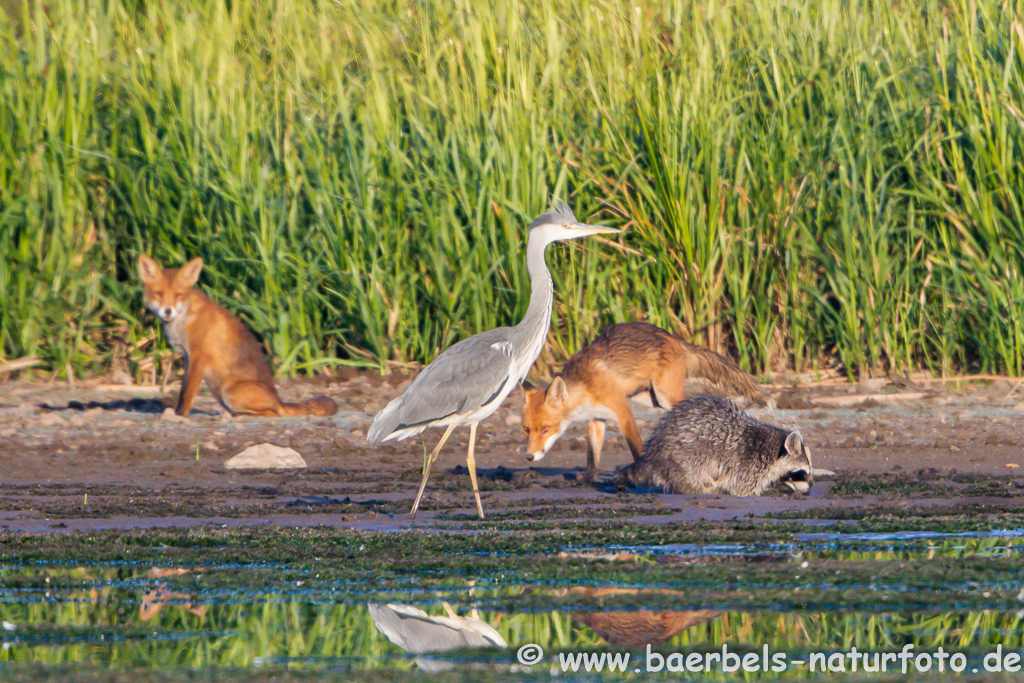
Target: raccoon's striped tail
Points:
(722, 371)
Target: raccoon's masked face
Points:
(795, 464)
(798, 480)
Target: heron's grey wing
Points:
(484, 635)
(465, 377)
(415, 631)
(393, 625)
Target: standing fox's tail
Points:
(706, 364)
(318, 405)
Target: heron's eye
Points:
(565, 225)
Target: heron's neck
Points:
(533, 329)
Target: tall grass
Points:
(805, 183)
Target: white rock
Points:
(266, 456)
(52, 420)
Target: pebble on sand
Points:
(266, 456)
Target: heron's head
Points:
(560, 224)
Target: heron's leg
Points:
(471, 465)
(426, 470)
(472, 594)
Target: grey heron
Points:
(470, 379)
(417, 632)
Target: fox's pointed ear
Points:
(527, 386)
(148, 268)
(189, 273)
(794, 443)
(557, 392)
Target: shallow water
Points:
(149, 615)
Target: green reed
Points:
(804, 183)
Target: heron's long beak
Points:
(584, 229)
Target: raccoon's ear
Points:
(557, 392)
(794, 443)
(148, 268)
(189, 273)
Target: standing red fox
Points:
(217, 347)
(596, 383)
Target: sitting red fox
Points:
(596, 383)
(217, 347)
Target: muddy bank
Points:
(129, 552)
(95, 456)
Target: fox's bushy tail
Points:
(318, 405)
(722, 371)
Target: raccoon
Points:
(706, 444)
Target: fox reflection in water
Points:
(155, 600)
(640, 627)
(417, 632)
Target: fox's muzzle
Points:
(548, 443)
(166, 313)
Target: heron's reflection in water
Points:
(418, 633)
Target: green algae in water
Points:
(161, 603)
